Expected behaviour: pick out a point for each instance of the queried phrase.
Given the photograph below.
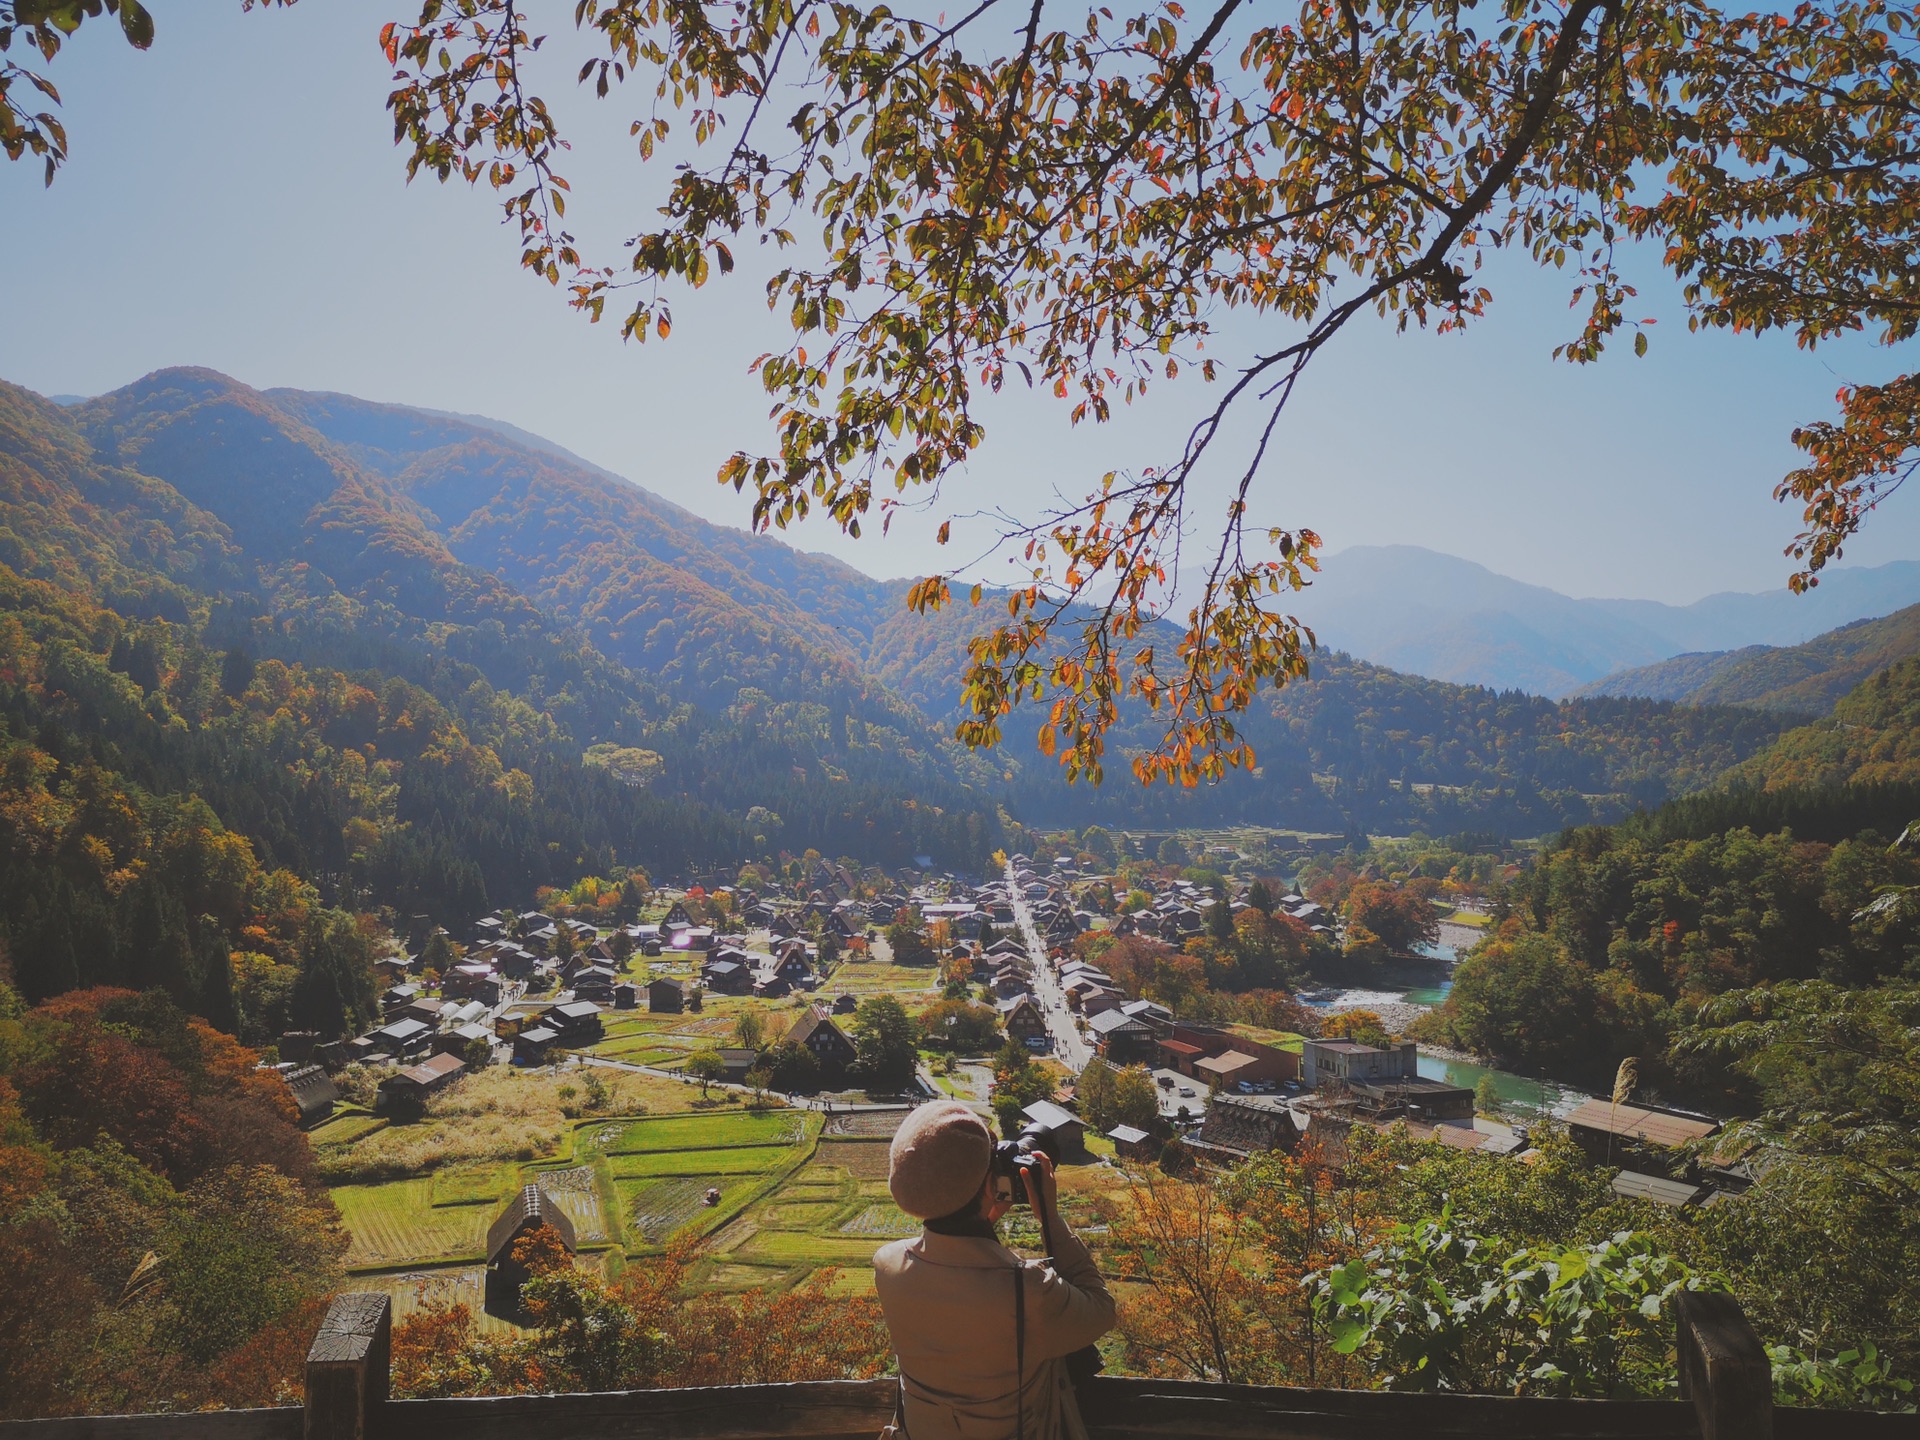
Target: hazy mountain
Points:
(1438, 615)
(1808, 679)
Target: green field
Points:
(705, 1132)
(398, 1224)
(741, 1160)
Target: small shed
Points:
(626, 996)
(533, 1046)
(528, 1211)
(1067, 1127)
(313, 1093)
(1675, 1194)
(1130, 1142)
(666, 996)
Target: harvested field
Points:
(656, 1211)
(882, 1221)
(866, 1123)
(414, 1289)
(862, 1159)
(794, 1214)
(786, 1248)
(398, 1224)
(577, 1192)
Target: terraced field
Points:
(704, 1132)
(398, 1224)
(743, 1160)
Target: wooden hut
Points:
(530, 1210)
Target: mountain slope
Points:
(1440, 616)
(1872, 738)
(1809, 678)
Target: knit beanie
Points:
(938, 1159)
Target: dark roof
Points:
(814, 1021)
(531, 1204)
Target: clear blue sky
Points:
(234, 200)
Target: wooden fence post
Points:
(347, 1368)
(1724, 1369)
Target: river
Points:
(1520, 1096)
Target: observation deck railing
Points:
(1725, 1388)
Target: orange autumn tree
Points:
(1215, 1270)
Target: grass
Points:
(499, 1115)
(712, 1131)
(345, 1128)
(1278, 1039)
(741, 1160)
(398, 1224)
(472, 1184)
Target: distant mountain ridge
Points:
(1807, 679)
(1422, 612)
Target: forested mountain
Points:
(1872, 738)
(1358, 746)
(212, 734)
(1808, 678)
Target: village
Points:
(729, 1069)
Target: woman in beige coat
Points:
(949, 1299)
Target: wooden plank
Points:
(348, 1367)
(1126, 1409)
(819, 1410)
(1724, 1368)
(278, 1423)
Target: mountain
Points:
(555, 611)
(1809, 678)
(1437, 615)
(1871, 739)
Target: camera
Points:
(1011, 1159)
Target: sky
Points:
(234, 200)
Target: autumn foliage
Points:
(167, 1242)
(653, 1327)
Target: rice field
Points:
(577, 1192)
(742, 1160)
(398, 1224)
(709, 1131)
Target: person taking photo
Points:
(981, 1335)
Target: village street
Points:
(1068, 1046)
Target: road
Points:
(1068, 1046)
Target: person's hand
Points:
(1041, 1189)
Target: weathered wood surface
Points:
(1126, 1409)
(281, 1423)
(1724, 1369)
(1117, 1409)
(348, 1368)
(819, 1410)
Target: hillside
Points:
(1872, 738)
(1440, 616)
(1808, 679)
(390, 544)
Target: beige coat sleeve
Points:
(1067, 1302)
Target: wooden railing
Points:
(1725, 1387)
